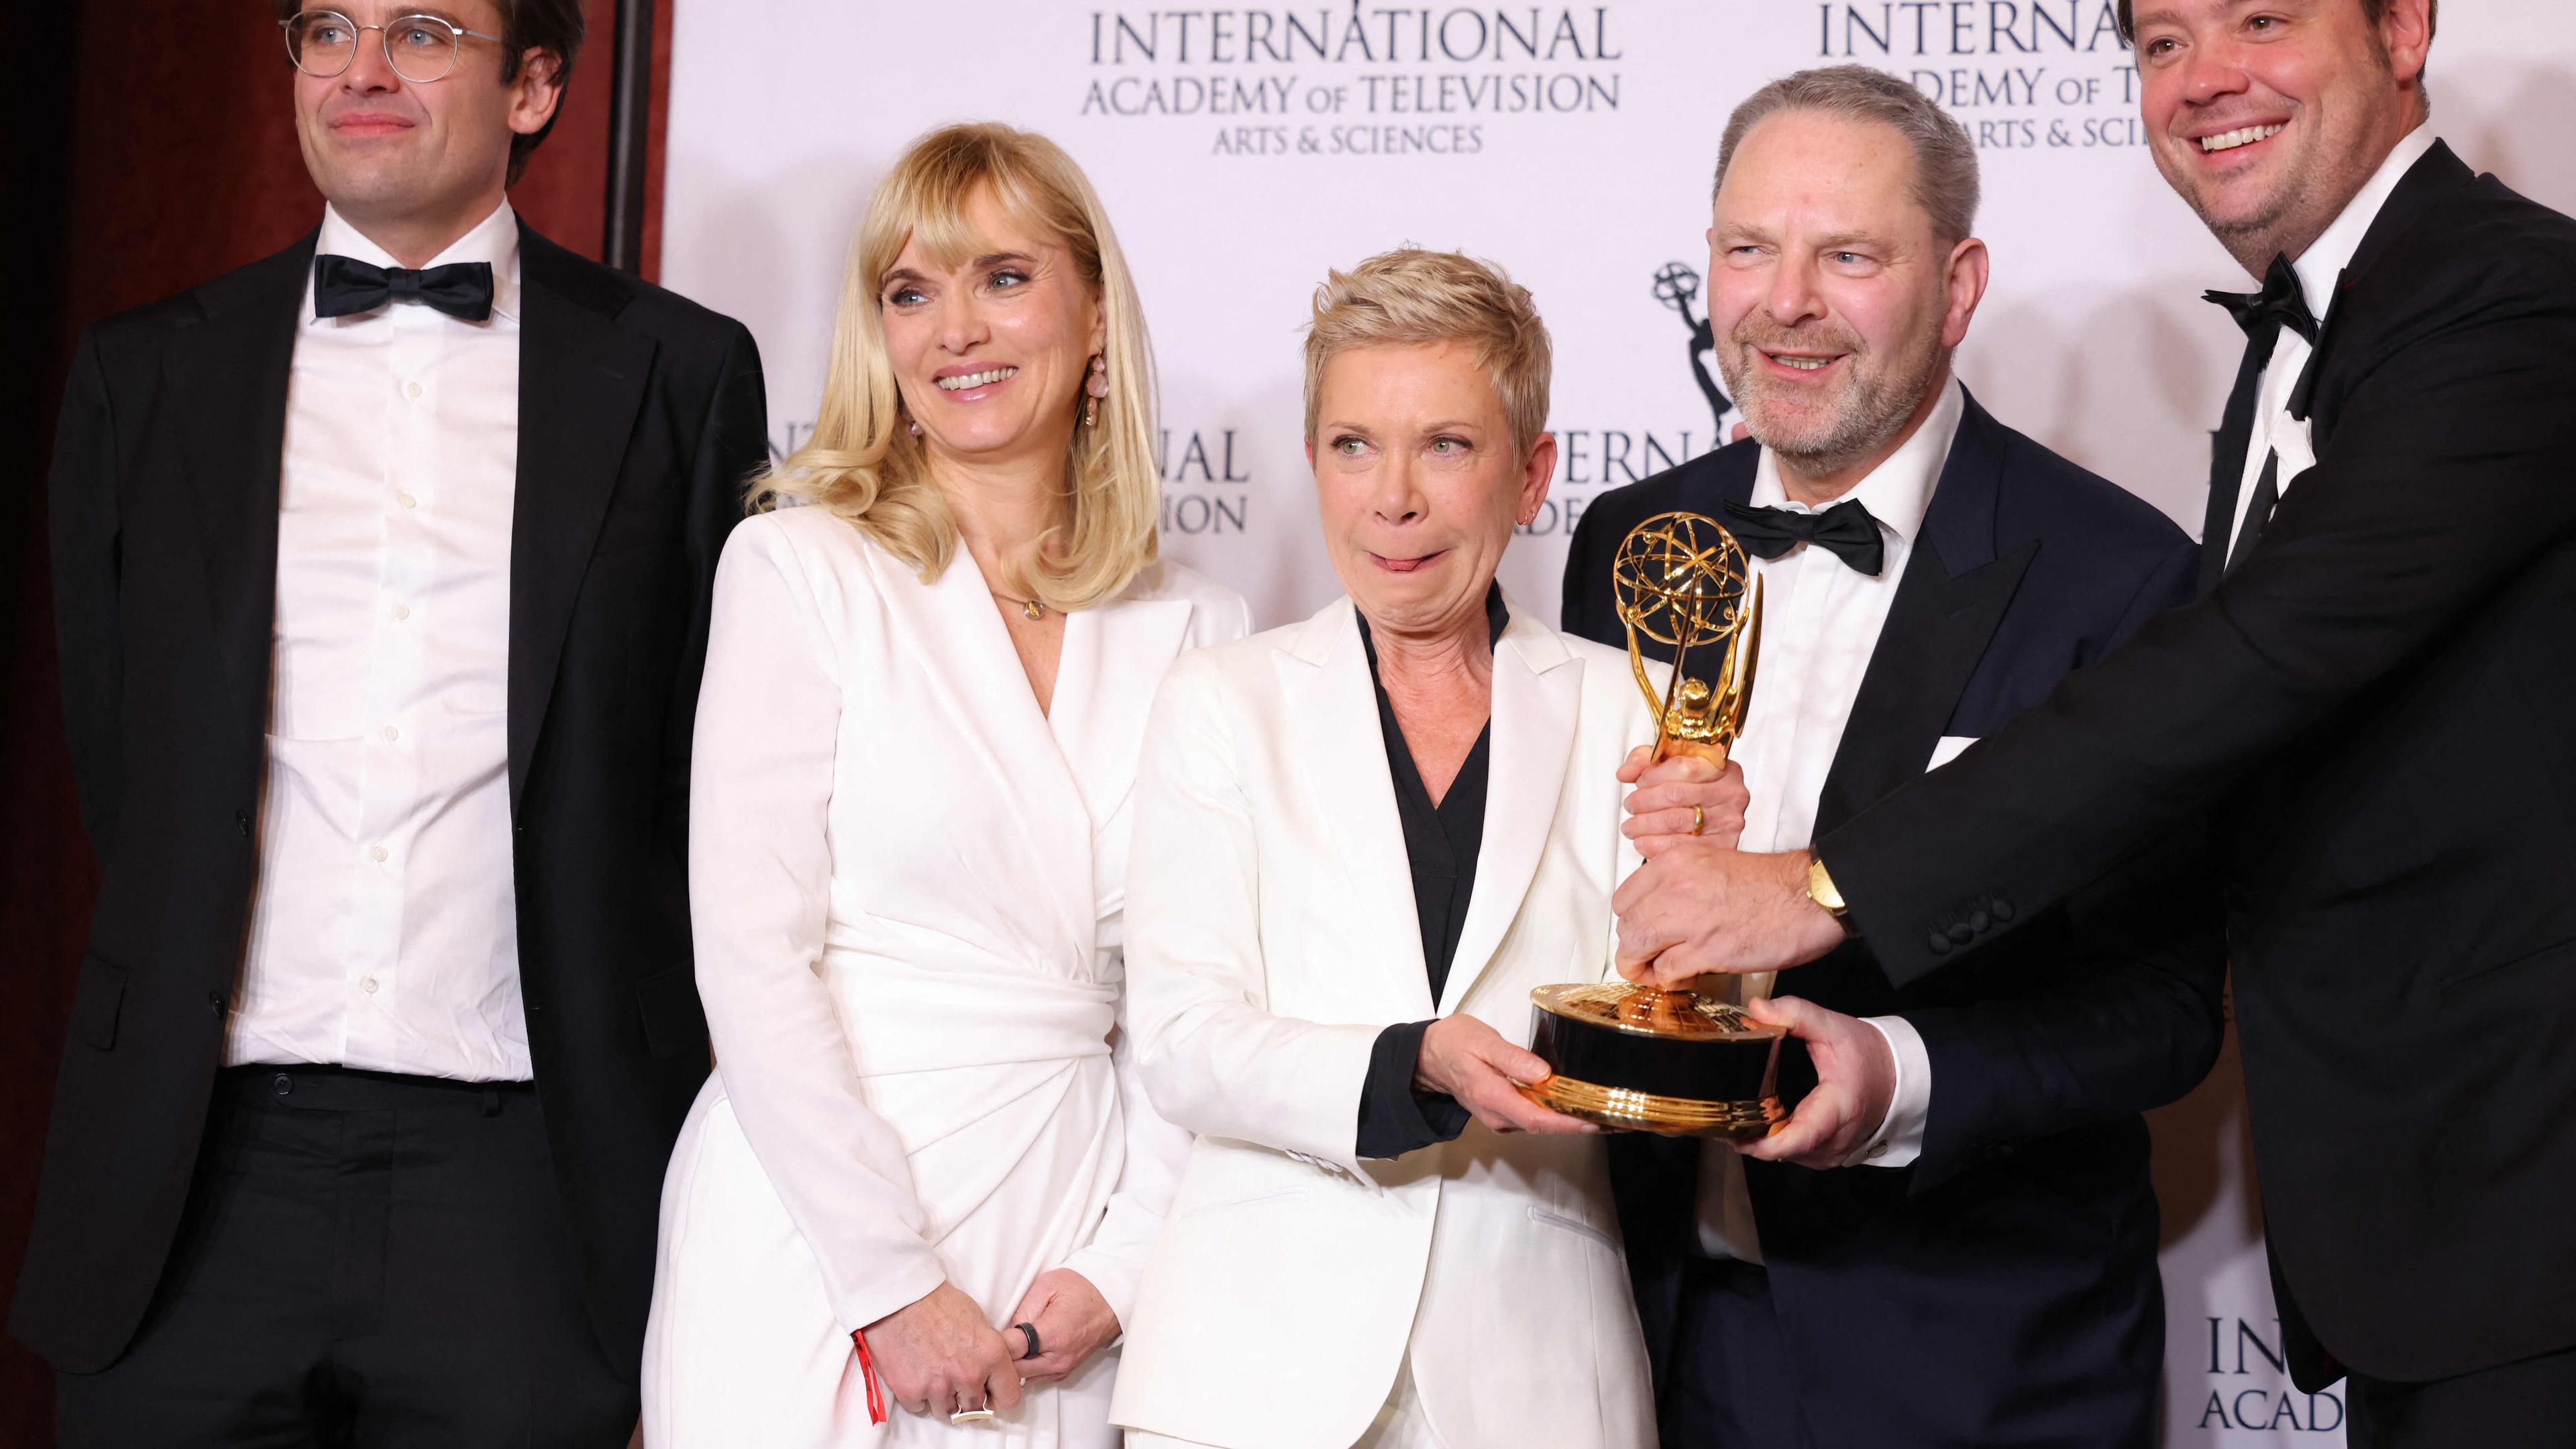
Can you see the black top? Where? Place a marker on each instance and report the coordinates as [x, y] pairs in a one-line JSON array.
[[1440, 843]]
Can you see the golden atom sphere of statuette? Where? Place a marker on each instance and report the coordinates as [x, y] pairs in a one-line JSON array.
[[1681, 579]]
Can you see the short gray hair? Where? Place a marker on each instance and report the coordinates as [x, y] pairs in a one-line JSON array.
[[1945, 161]]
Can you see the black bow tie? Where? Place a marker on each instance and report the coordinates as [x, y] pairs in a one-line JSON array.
[[2282, 303], [1846, 530], [343, 285]]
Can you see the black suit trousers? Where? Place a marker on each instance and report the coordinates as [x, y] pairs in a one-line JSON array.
[[365, 1260], [1733, 1382]]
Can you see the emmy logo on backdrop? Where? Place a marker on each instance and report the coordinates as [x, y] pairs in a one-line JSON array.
[[1680, 1063], [1677, 286]]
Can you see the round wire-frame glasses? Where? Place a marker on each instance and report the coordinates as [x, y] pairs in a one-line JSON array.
[[420, 48]]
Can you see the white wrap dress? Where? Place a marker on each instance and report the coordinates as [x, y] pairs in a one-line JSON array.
[[906, 883]]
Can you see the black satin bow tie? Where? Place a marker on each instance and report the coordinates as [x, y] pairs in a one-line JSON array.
[[1846, 530], [2282, 303], [344, 285]]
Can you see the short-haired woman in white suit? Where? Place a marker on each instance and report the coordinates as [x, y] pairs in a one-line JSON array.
[[1360, 841], [921, 1172]]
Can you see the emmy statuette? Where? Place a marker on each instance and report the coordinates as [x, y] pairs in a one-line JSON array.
[[1690, 1062]]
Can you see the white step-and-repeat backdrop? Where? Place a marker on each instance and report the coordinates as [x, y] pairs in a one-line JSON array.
[[1244, 149]]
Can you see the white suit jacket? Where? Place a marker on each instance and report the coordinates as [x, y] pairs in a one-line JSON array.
[[1271, 935], [907, 886]]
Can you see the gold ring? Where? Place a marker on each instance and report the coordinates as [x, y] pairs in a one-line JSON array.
[[1699, 820]]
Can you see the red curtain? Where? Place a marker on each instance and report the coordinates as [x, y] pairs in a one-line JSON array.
[[151, 146]]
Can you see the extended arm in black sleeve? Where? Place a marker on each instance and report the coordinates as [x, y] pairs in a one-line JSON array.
[[2135, 1025], [2448, 475]]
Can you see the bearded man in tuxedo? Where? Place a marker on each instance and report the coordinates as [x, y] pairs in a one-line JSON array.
[[382, 570], [1957, 1245], [2369, 703]]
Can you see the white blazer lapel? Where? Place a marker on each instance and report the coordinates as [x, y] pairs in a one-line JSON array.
[[1324, 679], [1114, 657], [1538, 686], [965, 651]]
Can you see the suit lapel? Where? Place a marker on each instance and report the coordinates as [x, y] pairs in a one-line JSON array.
[[227, 380], [2436, 173], [2227, 468], [1537, 693], [1947, 605], [965, 657], [1114, 657], [581, 380], [1324, 679]]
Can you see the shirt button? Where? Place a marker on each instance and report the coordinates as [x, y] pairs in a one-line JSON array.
[[368, 986], [402, 611], [411, 389], [391, 734], [375, 852], [406, 500]]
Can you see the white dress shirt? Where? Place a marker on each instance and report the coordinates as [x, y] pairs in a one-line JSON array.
[[1820, 623], [384, 929], [2319, 268]]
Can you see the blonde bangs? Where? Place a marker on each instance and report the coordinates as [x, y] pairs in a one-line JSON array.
[[862, 461]]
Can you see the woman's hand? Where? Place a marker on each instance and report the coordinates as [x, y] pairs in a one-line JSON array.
[[1660, 809], [1072, 1319], [937, 1355], [1470, 1061]]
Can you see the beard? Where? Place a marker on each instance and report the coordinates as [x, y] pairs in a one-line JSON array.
[[1876, 397]]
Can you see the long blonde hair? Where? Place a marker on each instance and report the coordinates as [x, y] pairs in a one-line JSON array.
[[862, 462]]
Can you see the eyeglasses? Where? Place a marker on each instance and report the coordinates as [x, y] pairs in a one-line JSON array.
[[420, 48]]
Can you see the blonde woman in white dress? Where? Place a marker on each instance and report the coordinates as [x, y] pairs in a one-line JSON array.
[[922, 1173]]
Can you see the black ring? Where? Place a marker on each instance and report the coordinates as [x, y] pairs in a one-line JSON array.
[[1029, 1331]]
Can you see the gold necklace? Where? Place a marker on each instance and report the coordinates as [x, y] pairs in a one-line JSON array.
[[1031, 609]]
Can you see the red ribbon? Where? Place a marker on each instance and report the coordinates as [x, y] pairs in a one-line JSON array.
[[868, 1372]]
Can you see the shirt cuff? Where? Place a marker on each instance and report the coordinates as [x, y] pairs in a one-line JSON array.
[[1899, 1138], [1112, 1279], [1395, 1116]]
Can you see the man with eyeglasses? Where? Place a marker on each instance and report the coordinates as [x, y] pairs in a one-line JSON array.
[[382, 570]]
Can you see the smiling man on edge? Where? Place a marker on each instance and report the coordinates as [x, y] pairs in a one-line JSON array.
[[2370, 704], [381, 570]]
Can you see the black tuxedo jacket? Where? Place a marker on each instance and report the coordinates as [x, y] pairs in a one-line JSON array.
[[2003, 1287], [2375, 710], [640, 414]]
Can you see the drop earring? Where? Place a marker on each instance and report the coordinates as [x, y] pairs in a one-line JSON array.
[[1095, 387]]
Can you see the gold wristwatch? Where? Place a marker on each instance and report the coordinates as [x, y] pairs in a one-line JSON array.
[[1820, 889]]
